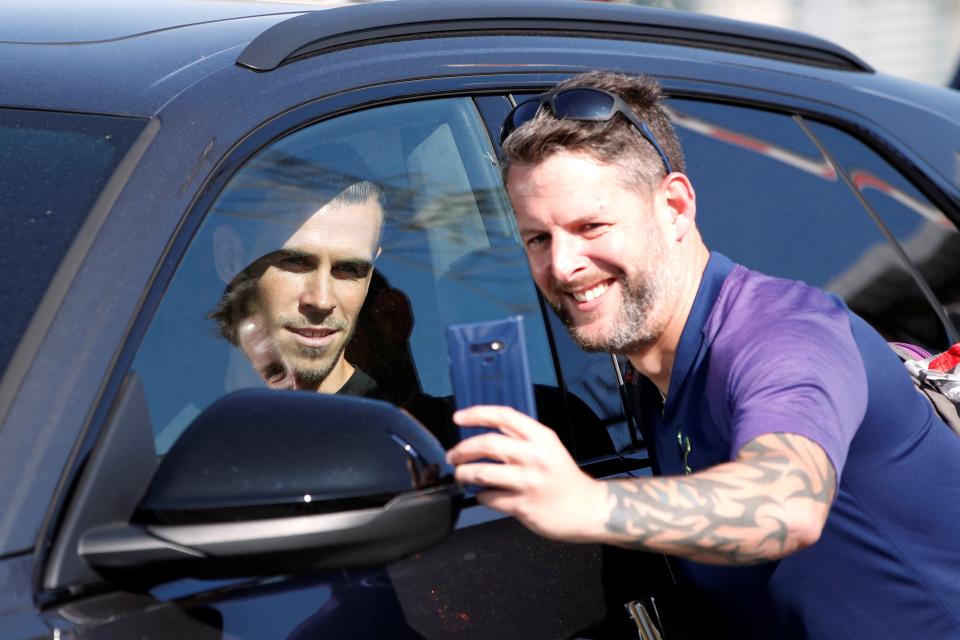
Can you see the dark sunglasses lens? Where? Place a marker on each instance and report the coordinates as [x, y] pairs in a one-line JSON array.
[[583, 104], [524, 112]]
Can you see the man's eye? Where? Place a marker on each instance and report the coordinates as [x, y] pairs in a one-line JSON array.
[[351, 270], [538, 241], [294, 263]]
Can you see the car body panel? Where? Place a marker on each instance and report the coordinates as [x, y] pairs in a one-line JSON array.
[[97, 22], [18, 617], [207, 116], [125, 76]]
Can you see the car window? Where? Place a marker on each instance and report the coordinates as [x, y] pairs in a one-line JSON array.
[[927, 236], [769, 199], [355, 240], [40, 150]]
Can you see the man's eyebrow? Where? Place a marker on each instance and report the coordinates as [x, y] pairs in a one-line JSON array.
[[528, 230], [582, 219], [355, 262], [290, 252], [256, 268]]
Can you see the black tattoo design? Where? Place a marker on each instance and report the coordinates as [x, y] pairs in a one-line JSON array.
[[730, 514]]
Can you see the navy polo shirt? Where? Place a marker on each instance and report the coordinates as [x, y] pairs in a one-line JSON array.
[[766, 355]]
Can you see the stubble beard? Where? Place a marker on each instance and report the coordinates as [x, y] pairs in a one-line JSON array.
[[316, 374], [636, 325], [632, 330]]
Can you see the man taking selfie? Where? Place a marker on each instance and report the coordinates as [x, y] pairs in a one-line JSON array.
[[806, 487]]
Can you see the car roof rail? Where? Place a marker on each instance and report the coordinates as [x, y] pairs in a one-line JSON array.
[[362, 24]]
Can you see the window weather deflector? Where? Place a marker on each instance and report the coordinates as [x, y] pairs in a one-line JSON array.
[[357, 25]]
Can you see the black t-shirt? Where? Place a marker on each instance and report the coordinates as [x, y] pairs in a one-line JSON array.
[[360, 384]]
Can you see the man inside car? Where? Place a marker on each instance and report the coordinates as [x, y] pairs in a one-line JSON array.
[[294, 310]]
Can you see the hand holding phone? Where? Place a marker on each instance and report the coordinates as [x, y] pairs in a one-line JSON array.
[[488, 365]]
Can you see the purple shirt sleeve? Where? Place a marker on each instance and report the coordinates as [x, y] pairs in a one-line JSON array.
[[789, 363]]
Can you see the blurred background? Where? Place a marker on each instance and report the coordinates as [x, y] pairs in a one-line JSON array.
[[915, 39]]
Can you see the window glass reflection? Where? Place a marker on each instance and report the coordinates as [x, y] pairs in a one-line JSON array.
[[927, 236], [333, 261], [52, 169], [770, 200]]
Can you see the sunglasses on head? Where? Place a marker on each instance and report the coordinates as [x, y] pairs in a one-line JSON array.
[[581, 103]]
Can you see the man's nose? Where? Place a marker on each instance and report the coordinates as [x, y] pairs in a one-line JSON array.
[[317, 294], [566, 257]]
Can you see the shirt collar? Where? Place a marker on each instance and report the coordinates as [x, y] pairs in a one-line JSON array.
[[691, 342]]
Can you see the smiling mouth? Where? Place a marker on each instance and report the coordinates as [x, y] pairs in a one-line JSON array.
[[312, 333], [591, 293], [313, 337]]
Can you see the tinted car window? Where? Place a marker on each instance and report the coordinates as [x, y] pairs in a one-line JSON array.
[[927, 236], [770, 200], [52, 168], [320, 265]]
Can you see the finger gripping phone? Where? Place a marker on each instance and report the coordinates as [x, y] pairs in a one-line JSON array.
[[488, 365]]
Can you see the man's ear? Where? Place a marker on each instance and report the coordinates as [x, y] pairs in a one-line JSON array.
[[681, 200]]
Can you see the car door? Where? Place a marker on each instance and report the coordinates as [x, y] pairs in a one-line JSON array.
[[446, 251]]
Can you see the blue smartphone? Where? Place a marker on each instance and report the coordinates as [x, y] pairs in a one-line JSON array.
[[488, 365]]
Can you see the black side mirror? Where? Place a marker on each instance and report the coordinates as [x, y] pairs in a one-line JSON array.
[[281, 482]]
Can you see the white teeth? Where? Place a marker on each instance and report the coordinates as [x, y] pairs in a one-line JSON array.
[[590, 294]]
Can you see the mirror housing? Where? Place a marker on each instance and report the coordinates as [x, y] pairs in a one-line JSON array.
[[266, 482]]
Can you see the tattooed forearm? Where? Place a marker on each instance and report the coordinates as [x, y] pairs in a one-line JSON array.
[[771, 501]]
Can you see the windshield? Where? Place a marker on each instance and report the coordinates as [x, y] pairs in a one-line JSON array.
[[52, 168]]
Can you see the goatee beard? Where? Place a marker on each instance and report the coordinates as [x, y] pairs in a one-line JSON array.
[[314, 375], [314, 372]]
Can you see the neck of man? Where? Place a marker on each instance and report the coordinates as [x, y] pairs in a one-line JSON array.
[[656, 360]]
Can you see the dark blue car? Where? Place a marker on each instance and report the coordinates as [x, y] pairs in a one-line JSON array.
[[160, 475]]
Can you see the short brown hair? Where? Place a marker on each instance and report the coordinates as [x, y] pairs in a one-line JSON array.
[[614, 141], [238, 302]]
